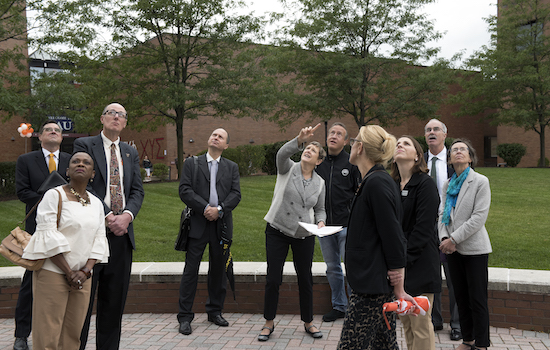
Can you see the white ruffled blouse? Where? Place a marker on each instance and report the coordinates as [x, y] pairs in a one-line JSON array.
[[80, 235]]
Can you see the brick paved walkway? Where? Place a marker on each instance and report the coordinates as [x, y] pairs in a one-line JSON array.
[[160, 332]]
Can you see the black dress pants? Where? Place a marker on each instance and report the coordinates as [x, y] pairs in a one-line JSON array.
[[111, 281], [277, 244], [23, 309], [470, 277], [216, 282]]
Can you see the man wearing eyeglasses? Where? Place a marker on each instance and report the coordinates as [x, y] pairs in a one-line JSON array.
[[31, 170], [435, 133], [118, 183]]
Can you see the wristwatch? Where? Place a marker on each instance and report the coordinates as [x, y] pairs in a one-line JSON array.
[[220, 210]]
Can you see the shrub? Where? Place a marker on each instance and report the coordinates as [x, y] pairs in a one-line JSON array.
[[7, 179], [271, 149], [142, 173], [511, 153], [161, 171], [546, 162], [249, 158]]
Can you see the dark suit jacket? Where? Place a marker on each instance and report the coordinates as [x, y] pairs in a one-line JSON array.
[[196, 196], [133, 186], [30, 172], [420, 205]]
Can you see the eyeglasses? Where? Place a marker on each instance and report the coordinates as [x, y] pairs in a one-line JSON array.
[[435, 129], [461, 149], [112, 113], [352, 141], [57, 130]]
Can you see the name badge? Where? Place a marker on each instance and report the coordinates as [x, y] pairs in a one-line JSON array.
[[405, 193]]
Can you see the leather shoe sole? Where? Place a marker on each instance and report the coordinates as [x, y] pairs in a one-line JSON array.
[[185, 328], [218, 320]]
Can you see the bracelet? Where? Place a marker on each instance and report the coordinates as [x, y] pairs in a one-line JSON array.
[[453, 240], [87, 272]]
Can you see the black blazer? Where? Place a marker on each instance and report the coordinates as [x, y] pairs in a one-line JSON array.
[[197, 196], [420, 205], [375, 242], [30, 172], [133, 186]]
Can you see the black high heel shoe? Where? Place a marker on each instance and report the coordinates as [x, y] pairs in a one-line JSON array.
[[265, 337]]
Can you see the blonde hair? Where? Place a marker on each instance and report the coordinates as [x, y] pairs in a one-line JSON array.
[[377, 143]]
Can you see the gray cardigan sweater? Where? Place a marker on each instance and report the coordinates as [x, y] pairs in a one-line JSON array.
[[292, 202], [468, 217]]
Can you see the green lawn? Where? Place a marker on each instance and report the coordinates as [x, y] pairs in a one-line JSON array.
[[518, 222]]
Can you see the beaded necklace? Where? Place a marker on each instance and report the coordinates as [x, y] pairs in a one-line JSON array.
[[82, 201]]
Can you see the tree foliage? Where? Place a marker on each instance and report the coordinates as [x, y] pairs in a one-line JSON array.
[[164, 60], [359, 58], [14, 83], [513, 83]]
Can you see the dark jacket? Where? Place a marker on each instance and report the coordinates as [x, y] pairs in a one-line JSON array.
[[341, 181], [420, 204], [133, 186], [196, 196], [30, 172], [375, 241]]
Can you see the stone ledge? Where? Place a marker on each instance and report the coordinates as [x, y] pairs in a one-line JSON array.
[[500, 279]]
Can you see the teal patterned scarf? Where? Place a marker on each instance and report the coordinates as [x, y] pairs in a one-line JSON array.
[[452, 194]]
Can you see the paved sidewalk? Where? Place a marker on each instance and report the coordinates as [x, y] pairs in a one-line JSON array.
[[160, 332]]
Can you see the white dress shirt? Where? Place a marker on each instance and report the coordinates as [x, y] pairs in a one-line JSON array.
[[441, 165]]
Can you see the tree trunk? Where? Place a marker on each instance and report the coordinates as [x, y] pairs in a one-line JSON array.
[[179, 138], [542, 162]]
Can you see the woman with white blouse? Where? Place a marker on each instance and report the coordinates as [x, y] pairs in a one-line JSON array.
[[72, 243]]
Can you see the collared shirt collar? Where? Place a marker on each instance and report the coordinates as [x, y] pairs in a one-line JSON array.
[[441, 155], [47, 153], [108, 142], [209, 158]]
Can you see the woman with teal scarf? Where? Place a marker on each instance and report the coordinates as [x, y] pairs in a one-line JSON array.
[[462, 217]]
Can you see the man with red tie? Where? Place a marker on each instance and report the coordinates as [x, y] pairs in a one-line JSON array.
[[118, 183]]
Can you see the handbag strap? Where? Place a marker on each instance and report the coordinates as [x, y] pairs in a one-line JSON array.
[[59, 206]]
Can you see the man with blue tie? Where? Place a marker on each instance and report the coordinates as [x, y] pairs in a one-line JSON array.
[[435, 133], [212, 196], [31, 170], [118, 184]]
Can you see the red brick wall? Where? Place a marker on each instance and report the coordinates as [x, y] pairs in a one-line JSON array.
[[527, 311]]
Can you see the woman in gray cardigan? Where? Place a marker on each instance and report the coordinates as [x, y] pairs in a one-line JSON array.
[[299, 196], [462, 217]]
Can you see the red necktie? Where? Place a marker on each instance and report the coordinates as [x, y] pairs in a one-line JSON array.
[[115, 184]]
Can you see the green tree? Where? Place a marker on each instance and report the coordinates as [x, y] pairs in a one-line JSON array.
[[512, 84], [14, 83], [359, 58], [164, 60]]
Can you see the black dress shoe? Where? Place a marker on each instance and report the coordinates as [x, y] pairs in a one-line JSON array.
[[333, 315], [185, 328], [456, 334], [218, 320], [20, 344]]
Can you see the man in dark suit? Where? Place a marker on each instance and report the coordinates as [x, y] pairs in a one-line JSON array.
[[31, 171], [212, 197], [435, 133], [118, 184]]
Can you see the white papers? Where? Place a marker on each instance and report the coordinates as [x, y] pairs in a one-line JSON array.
[[321, 232]]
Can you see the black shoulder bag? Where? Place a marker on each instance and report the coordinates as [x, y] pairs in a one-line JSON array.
[[185, 221]]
